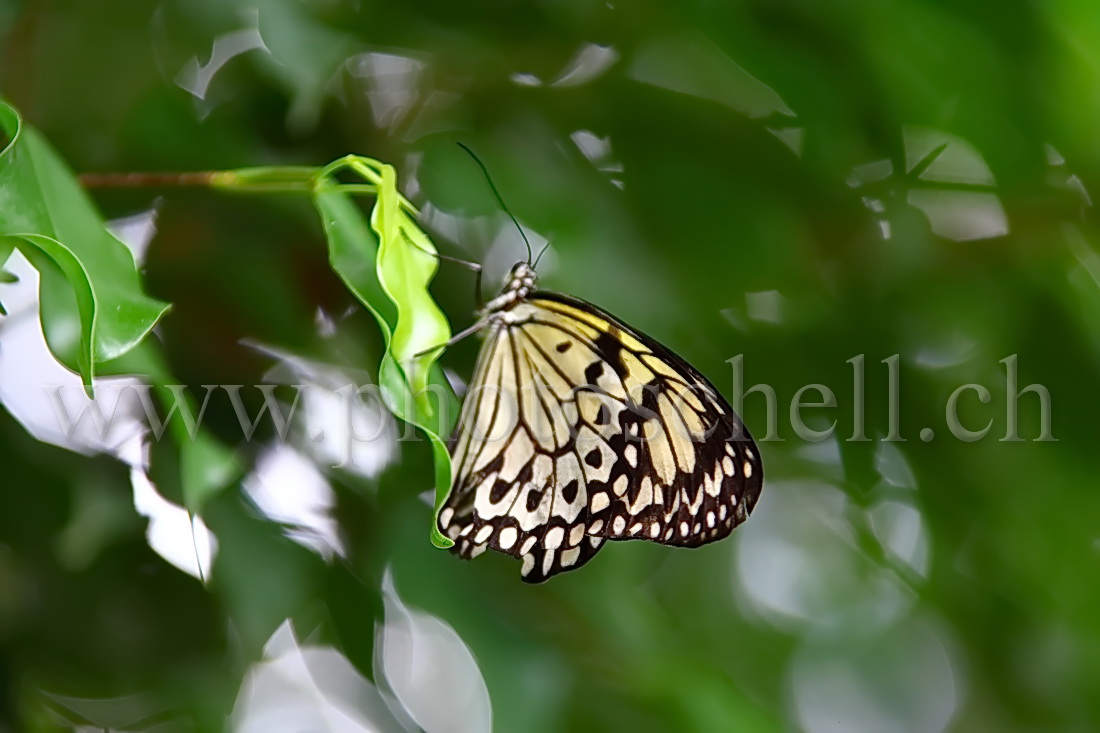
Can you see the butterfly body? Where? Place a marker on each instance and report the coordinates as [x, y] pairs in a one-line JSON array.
[[577, 429]]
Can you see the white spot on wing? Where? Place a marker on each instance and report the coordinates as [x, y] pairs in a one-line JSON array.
[[620, 485], [553, 539], [693, 507], [644, 497], [547, 562], [575, 537], [727, 465], [709, 486]]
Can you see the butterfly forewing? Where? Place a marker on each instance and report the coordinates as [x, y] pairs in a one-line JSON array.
[[578, 429]]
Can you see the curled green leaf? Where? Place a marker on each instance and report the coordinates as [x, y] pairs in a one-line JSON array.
[[388, 266], [93, 307]]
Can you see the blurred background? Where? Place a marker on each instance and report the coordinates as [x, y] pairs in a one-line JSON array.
[[797, 183]]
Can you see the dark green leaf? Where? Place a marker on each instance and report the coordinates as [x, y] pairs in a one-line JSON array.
[[93, 305]]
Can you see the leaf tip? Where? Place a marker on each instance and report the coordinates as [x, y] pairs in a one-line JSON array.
[[441, 541]]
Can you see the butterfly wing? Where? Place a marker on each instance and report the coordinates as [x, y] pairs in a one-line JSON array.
[[579, 429], [509, 491]]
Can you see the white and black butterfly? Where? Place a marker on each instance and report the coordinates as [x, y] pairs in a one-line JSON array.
[[578, 429]]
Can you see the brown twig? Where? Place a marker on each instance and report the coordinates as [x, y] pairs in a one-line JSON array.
[[146, 180]]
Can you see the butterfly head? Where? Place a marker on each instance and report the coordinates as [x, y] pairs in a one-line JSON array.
[[522, 277], [518, 285]]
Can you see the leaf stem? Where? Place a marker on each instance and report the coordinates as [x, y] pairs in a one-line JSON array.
[[147, 180]]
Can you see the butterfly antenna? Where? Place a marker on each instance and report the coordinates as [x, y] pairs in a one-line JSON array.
[[500, 200], [541, 253]]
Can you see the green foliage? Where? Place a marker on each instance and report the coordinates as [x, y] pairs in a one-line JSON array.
[[799, 183], [93, 307], [94, 311], [388, 270], [389, 273]]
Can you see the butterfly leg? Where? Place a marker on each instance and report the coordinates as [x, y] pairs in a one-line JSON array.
[[477, 326]]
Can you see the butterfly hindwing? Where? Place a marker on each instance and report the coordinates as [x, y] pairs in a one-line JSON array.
[[577, 429]]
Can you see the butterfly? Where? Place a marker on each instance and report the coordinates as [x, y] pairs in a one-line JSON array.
[[577, 429]]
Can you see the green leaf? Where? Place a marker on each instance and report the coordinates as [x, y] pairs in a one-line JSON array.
[[59, 268], [436, 425], [205, 466], [353, 253], [406, 266], [6, 248], [390, 276], [304, 54], [93, 308]]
